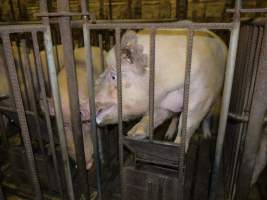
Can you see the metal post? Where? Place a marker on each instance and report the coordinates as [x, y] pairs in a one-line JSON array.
[[229, 74], [181, 174], [69, 64], [151, 84], [29, 87], [254, 131], [56, 99], [21, 113], [90, 75], [46, 108], [119, 97]]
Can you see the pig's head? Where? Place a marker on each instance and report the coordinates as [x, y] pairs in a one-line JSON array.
[[134, 83]]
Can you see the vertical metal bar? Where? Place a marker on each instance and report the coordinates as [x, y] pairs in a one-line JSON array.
[[151, 83], [56, 99], [119, 97], [181, 174], [100, 41], [258, 110], [101, 9], [21, 113], [90, 75], [29, 87], [110, 9], [229, 74], [46, 107], [69, 64], [129, 8], [58, 109]]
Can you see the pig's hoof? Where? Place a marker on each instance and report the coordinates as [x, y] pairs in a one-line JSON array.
[[138, 132], [178, 140]]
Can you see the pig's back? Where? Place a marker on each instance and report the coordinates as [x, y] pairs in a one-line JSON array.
[[208, 58]]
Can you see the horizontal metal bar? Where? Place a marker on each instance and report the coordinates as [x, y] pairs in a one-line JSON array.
[[181, 24], [152, 141], [60, 14], [248, 10], [237, 117], [22, 28]]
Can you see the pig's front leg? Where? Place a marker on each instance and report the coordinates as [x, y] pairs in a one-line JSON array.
[[140, 130]]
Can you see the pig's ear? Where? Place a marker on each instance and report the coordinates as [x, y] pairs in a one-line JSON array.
[[132, 52], [129, 40], [50, 106]]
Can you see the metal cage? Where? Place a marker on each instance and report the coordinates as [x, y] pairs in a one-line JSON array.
[[168, 182]]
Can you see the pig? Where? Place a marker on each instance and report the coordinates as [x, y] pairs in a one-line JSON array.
[[79, 55], [207, 75], [84, 104]]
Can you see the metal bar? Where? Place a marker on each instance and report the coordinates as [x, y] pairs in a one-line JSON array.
[[101, 9], [110, 9], [129, 8], [76, 124], [40, 74], [249, 10], [22, 28], [151, 83], [119, 97], [181, 174], [30, 89], [58, 110], [258, 109], [229, 74], [21, 113], [180, 24], [90, 75], [100, 41]]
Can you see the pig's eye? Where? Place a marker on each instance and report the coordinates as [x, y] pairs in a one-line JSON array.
[[113, 77]]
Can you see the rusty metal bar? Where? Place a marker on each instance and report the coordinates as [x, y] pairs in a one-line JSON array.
[[100, 41], [119, 97], [69, 64], [101, 9], [21, 113], [258, 109], [29, 87], [22, 28], [58, 110], [110, 9], [229, 74], [129, 8], [46, 107], [249, 10], [90, 75], [181, 174], [151, 83], [180, 24]]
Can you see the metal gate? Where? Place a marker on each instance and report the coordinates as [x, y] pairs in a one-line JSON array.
[[63, 15], [247, 110]]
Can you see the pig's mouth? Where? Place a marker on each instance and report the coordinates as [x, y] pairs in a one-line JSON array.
[[100, 116]]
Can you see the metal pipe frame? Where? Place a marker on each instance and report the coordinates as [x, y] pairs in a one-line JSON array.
[[229, 74], [40, 74], [21, 113], [56, 99], [90, 75], [258, 110], [69, 64]]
